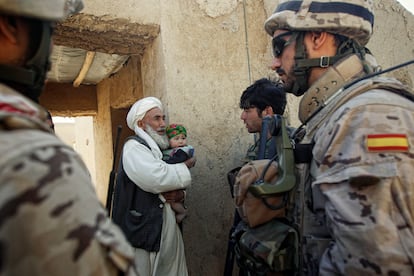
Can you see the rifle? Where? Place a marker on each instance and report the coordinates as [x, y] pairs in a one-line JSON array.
[[286, 179], [266, 123], [113, 172], [230, 254]]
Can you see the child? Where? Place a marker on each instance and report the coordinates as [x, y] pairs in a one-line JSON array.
[[178, 152]]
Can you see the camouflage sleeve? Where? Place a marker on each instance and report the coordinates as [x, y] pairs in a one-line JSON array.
[[364, 160], [343, 146], [51, 221]]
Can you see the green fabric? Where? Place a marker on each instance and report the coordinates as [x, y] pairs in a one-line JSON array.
[[175, 129], [270, 247], [253, 151]]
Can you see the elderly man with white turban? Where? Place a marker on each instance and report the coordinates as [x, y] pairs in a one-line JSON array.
[[145, 185]]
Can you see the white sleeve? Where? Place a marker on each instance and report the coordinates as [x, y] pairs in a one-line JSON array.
[[152, 174]]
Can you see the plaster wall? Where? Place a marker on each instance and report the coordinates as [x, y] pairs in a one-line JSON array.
[[392, 41], [137, 11], [125, 86], [154, 70], [85, 143]]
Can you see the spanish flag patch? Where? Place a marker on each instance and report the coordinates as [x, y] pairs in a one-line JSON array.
[[387, 142]]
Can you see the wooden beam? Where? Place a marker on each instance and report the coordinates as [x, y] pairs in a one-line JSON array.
[[85, 68]]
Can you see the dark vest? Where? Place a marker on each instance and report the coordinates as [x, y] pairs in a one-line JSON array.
[[138, 213]]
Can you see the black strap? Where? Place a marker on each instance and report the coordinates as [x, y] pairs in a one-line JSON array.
[[138, 139], [303, 153]]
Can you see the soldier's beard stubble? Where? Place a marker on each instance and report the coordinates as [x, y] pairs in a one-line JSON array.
[[161, 140], [288, 79]]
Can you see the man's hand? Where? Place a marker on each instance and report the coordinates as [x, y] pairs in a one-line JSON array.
[[190, 162], [174, 196]]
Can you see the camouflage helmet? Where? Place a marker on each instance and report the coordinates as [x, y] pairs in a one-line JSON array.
[[52, 10], [351, 18]]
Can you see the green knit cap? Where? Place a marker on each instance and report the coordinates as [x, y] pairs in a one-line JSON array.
[[175, 129]]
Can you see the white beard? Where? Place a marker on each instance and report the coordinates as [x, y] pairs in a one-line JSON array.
[[161, 140]]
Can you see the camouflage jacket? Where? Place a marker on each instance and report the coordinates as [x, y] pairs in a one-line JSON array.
[[361, 176], [52, 222]]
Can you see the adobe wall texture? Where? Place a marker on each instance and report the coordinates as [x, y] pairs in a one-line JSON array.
[[207, 52]]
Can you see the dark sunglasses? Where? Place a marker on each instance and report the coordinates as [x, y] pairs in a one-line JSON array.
[[279, 44]]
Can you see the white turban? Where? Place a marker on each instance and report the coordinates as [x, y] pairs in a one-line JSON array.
[[140, 108]]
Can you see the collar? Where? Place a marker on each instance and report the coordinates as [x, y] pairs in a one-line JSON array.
[[329, 86]]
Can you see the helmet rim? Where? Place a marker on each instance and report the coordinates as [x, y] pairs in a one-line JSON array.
[[49, 10]]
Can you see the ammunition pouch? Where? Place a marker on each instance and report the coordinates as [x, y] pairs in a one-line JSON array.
[[269, 249]]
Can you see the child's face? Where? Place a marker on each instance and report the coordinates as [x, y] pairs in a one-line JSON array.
[[179, 140]]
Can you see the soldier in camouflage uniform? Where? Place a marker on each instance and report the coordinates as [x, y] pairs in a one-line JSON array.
[[51, 221], [356, 214]]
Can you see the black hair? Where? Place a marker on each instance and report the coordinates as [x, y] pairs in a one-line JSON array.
[[263, 93]]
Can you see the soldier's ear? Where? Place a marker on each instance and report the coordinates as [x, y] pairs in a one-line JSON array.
[[8, 29], [320, 39]]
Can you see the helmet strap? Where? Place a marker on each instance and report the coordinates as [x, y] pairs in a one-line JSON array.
[[40, 62], [303, 64], [301, 72], [352, 47]]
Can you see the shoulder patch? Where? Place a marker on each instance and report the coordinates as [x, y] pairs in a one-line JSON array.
[[389, 142]]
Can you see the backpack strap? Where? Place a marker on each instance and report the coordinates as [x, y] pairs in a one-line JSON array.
[[303, 153]]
